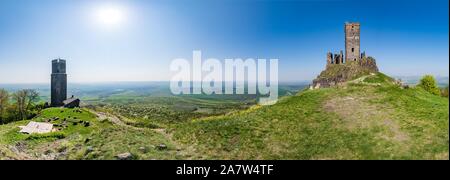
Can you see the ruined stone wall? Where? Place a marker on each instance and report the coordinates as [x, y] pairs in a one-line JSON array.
[[352, 42], [58, 82], [329, 58], [338, 59], [335, 58], [369, 63]]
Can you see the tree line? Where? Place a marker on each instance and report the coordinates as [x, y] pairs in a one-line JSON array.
[[19, 105]]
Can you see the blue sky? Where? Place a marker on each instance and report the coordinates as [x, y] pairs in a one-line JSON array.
[[408, 38]]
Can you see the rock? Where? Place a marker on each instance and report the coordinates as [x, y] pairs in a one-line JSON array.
[[337, 74], [87, 124], [161, 147], [143, 149], [62, 149], [124, 156], [89, 149], [47, 152]]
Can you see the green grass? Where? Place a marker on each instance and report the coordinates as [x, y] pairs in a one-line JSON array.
[[161, 111], [100, 140], [379, 78], [355, 122], [112, 141]]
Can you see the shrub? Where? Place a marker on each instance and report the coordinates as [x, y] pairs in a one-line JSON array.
[[444, 92], [428, 83]]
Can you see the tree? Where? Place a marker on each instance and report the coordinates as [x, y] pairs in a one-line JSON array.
[[428, 83], [4, 102], [20, 97], [444, 92], [32, 97], [24, 101]]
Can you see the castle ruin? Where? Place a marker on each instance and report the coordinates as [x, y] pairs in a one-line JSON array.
[[352, 46], [343, 67], [352, 41]]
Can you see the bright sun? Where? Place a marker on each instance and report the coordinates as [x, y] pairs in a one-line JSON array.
[[110, 16]]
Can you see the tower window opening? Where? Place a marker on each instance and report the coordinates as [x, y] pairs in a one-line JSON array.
[[353, 49]]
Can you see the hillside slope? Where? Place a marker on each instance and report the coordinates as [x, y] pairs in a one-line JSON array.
[[370, 118], [336, 74], [103, 138]]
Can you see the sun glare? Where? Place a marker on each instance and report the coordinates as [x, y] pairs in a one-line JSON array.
[[110, 16]]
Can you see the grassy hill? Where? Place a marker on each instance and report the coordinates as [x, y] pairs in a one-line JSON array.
[[101, 139], [369, 118]]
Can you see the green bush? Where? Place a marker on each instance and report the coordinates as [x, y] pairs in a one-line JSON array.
[[444, 92], [428, 83]]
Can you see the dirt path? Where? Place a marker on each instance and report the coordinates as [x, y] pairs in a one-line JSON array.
[[112, 118], [116, 120], [48, 151], [356, 112]]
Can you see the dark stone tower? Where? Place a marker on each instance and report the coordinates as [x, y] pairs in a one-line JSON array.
[[59, 82], [352, 42]]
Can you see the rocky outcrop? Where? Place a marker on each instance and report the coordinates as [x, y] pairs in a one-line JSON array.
[[336, 74]]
